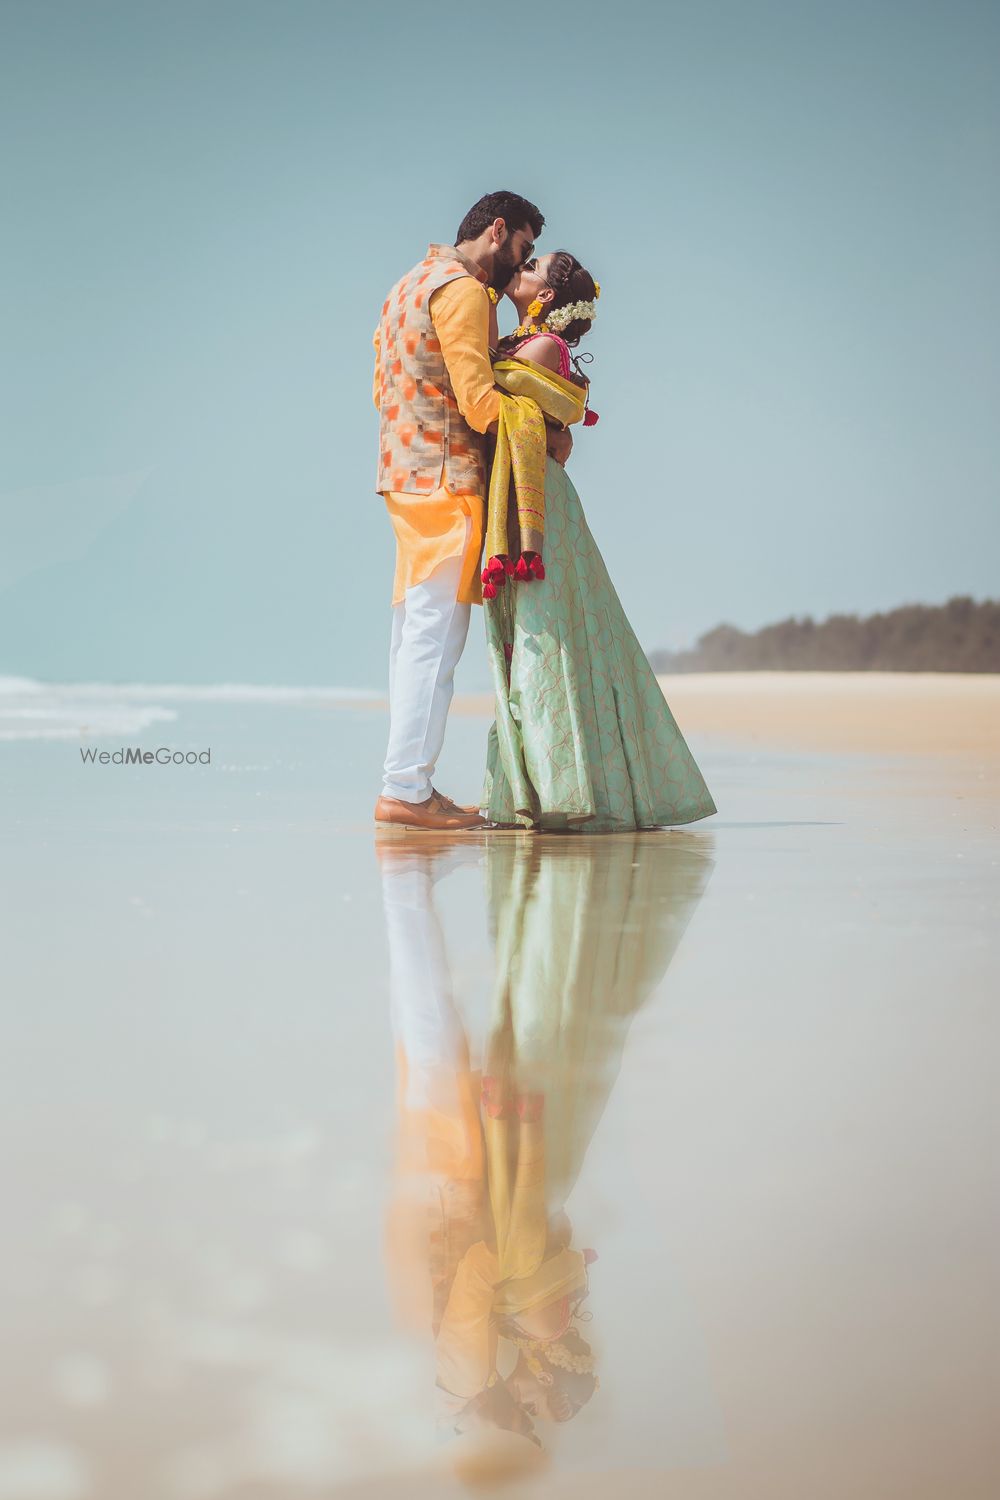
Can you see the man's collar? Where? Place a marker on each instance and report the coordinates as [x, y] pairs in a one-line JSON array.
[[453, 254]]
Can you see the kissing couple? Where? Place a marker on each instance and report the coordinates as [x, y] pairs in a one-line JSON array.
[[473, 441]]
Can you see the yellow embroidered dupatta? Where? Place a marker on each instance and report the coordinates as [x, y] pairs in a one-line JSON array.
[[528, 393]]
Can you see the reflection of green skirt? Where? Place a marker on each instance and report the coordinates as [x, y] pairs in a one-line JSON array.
[[583, 735]]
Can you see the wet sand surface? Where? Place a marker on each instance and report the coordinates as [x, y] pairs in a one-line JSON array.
[[752, 1064]]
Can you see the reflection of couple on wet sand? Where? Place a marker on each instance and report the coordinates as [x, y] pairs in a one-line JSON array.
[[473, 436], [481, 1249]]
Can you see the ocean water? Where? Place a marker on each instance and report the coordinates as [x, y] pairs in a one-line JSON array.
[[249, 1158]]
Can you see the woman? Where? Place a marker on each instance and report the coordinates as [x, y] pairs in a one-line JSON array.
[[583, 738], [583, 937]]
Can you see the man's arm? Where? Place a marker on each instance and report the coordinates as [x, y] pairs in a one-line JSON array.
[[460, 312], [466, 1342]]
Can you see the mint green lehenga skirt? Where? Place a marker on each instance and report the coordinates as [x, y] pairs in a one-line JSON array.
[[583, 737]]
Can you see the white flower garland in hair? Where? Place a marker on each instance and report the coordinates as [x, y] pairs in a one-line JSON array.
[[564, 316]]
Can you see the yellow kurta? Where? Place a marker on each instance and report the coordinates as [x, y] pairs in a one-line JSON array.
[[431, 528]]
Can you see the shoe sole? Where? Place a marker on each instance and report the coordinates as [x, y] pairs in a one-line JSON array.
[[387, 827]]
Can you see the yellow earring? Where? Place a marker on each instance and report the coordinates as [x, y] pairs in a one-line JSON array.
[[534, 308]]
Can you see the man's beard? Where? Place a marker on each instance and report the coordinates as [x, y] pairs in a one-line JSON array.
[[505, 268]]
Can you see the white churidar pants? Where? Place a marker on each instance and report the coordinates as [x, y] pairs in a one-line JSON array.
[[429, 630], [425, 1021]]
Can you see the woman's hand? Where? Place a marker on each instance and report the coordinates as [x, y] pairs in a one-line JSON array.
[[560, 444]]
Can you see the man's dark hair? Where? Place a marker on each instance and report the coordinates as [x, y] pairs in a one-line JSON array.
[[515, 211]]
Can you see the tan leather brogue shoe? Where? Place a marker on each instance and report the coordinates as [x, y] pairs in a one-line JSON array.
[[432, 816], [450, 802]]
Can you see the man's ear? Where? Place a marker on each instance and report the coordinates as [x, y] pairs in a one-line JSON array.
[[499, 231]]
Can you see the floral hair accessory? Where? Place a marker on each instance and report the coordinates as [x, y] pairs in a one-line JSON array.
[[555, 1353], [563, 316]]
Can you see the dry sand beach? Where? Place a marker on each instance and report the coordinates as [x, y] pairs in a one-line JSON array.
[[878, 712]]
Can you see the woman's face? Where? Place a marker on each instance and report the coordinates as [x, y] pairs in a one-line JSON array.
[[542, 1400], [530, 283]]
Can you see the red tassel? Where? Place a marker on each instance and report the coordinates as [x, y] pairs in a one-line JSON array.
[[509, 566], [590, 417], [495, 1106], [495, 565], [489, 592], [537, 566], [521, 571]]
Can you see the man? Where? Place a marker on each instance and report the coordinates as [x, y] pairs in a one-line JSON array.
[[436, 400]]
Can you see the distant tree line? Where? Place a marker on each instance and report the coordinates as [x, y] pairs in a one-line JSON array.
[[960, 636]]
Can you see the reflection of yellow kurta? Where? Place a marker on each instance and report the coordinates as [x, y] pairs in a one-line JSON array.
[[431, 528]]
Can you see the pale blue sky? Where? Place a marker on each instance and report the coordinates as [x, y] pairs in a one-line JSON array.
[[792, 210]]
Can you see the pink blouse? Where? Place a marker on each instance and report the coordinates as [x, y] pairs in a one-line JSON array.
[[563, 350]]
